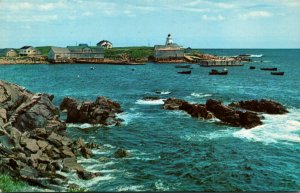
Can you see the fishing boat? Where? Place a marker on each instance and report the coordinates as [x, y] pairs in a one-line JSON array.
[[277, 73], [216, 72], [186, 66], [185, 72], [270, 69], [252, 67]]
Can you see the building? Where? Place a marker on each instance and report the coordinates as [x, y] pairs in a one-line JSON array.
[[76, 53], [86, 52], [29, 51], [8, 52], [169, 51], [105, 44], [57, 53]]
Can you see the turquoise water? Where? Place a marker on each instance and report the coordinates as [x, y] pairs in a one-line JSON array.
[[170, 151]]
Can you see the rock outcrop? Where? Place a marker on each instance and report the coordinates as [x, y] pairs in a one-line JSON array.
[[33, 145], [231, 116], [227, 114], [195, 110], [263, 105], [101, 111]]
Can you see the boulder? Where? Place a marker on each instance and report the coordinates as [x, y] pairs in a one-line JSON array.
[[35, 114], [85, 175], [263, 105], [101, 111], [120, 153]]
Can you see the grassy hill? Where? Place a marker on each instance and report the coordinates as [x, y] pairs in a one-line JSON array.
[[44, 50], [136, 53]]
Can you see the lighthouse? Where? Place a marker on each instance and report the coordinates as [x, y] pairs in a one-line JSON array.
[[169, 40]]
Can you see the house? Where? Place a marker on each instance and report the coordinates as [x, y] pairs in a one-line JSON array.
[[105, 44], [76, 53], [8, 52], [57, 53], [169, 51], [29, 51], [86, 52]]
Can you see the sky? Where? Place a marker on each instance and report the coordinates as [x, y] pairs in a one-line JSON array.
[[192, 23]]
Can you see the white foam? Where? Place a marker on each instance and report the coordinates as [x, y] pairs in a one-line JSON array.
[[256, 55], [127, 117], [208, 135], [150, 102], [276, 128], [83, 126], [200, 95], [159, 185], [165, 92], [130, 188]]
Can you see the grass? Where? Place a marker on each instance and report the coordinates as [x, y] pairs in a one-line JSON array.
[[132, 52], [44, 50], [8, 184]]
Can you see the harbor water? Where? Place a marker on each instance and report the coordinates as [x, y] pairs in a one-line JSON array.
[[169, 150]]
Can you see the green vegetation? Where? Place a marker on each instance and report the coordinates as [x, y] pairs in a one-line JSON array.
[[136, 53], [44, 50], [8, 184]]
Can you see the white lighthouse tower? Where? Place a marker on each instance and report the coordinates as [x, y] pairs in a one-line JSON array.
[[169, 40]]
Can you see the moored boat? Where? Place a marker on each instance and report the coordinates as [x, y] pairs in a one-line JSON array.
[[270, 69], [216, 72], [252, 67], [277, 73], [185, 72], [186, 66]]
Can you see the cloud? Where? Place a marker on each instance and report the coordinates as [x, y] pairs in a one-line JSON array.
[[213, 18], [255, 15]]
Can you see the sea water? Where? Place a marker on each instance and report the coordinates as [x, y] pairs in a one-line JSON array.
[[169, 150]]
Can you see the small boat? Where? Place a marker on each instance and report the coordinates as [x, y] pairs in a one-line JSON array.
[[186, 66], [185, 72], [277, 73], [270, 69], [92, 68], [216, 72], [252, 67]]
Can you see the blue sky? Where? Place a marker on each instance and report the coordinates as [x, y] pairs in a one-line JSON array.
[[194, 23]]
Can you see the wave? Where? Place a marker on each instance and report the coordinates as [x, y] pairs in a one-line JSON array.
[[150, 102], [256, 55], [200, 95], [275, 129], [83, 126], [130, 188], [163, 92], [127, 117]]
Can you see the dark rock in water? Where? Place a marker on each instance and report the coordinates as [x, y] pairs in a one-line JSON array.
[[233, 117], [87, 153], [151, 98], [195, 110], [213, 109], [120, 153], [102, 111], [173, 104], [85, 175], [263, 105]]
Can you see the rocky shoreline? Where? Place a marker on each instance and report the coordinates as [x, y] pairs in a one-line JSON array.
[[34, 146]]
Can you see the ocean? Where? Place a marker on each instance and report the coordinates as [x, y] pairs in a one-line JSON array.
[[169, 150]]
